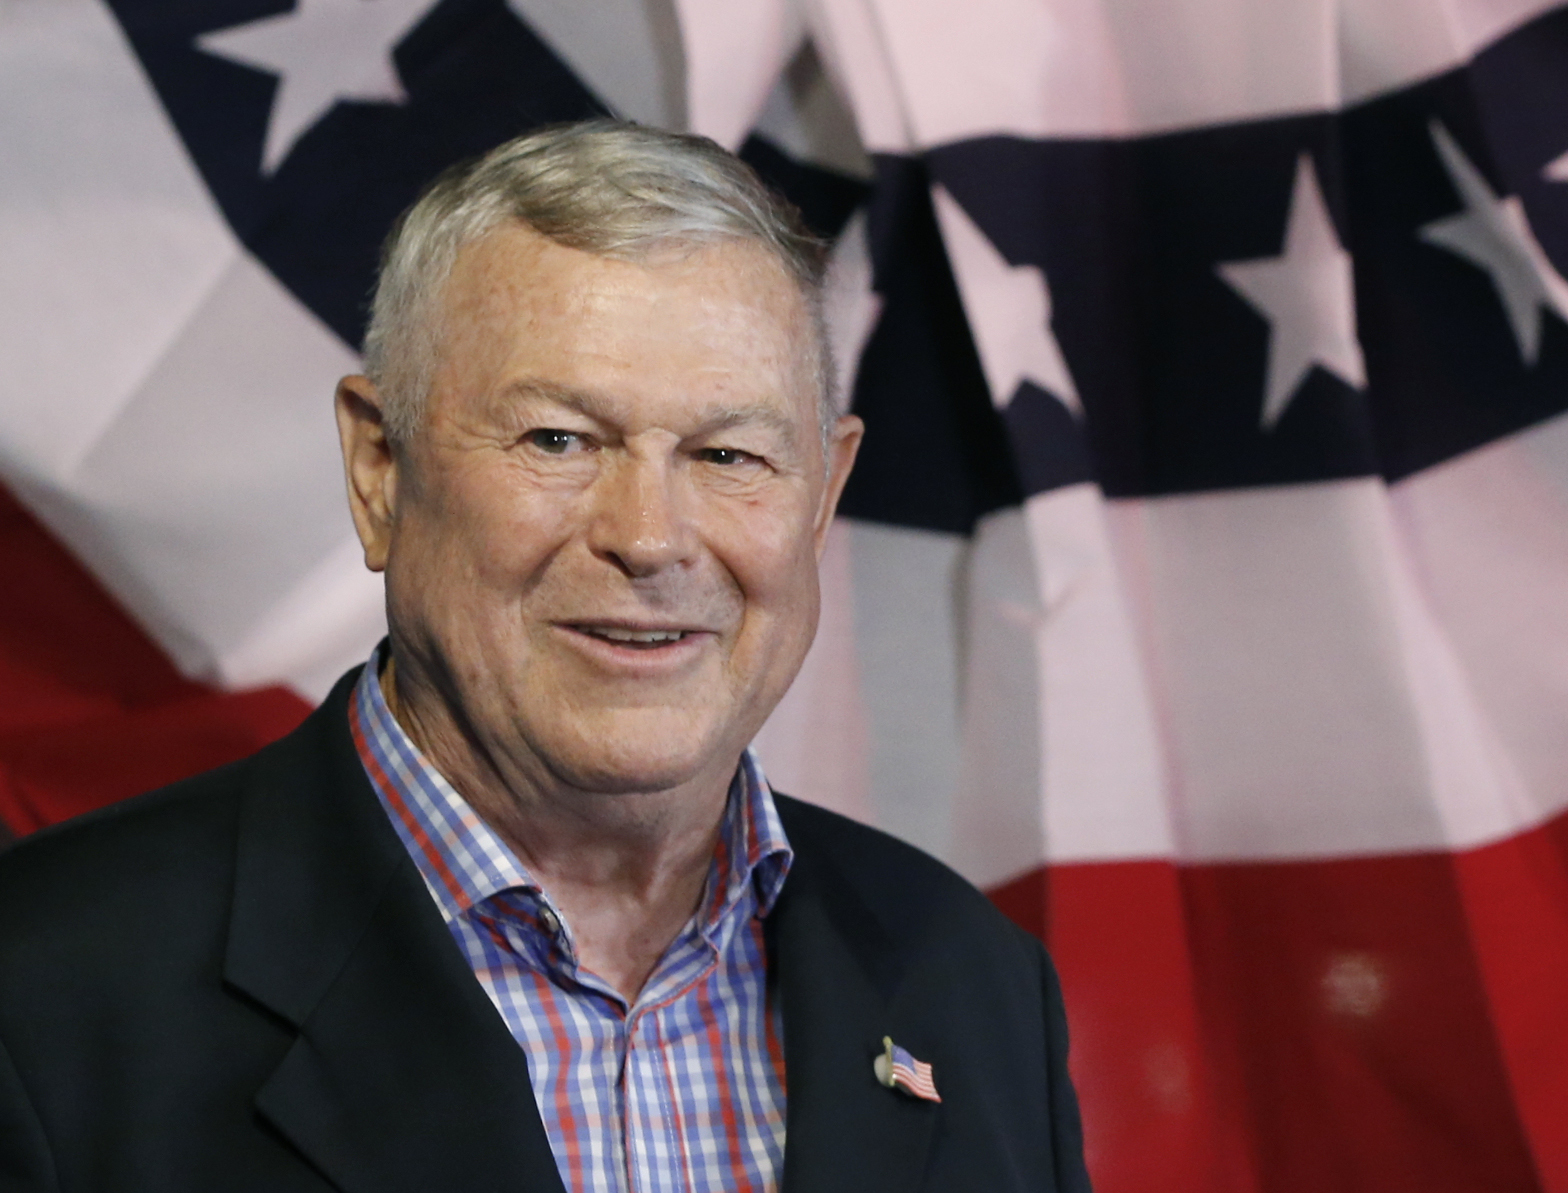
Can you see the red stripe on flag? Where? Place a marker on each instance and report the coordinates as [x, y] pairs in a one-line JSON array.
[[90, 709], [1118, 934], [1295, 1026], [1516, 898]]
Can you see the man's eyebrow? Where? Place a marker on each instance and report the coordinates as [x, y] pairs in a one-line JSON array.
[[582, 401], [736, 416], [593, 406]]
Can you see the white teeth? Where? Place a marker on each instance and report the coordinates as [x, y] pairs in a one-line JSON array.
[[642, 636]]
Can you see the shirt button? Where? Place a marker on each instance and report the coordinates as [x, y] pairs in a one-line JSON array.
[[551, 922]]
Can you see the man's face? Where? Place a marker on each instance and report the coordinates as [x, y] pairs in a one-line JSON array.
[[601, 547]]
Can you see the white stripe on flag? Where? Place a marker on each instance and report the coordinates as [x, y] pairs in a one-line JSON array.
[[1024, 68]]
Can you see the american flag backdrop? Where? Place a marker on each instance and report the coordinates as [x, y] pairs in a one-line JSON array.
[[1201, 592]]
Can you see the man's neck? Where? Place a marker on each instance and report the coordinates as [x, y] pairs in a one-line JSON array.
[[626, 870]]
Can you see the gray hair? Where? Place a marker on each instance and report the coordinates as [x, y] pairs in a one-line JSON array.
[[607, 187]]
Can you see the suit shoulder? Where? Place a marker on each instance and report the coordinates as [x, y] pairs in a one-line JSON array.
[[103, 864], [897, 881], [818, 828], [177, 834]]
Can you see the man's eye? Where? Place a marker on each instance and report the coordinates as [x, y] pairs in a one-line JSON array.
[[724, 455], [557, 443]]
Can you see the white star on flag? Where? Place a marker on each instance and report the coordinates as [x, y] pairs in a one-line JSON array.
[[1009, 308], [1556, 170], [322, 52], [1494, 235], [1307, 294]]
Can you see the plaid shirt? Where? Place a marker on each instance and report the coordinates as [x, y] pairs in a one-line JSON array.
[[683, 1090]]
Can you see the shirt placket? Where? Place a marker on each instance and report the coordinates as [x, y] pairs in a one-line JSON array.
[[658, 1072]]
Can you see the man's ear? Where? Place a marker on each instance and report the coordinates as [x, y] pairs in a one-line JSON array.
[[369, 466], [843, 446]]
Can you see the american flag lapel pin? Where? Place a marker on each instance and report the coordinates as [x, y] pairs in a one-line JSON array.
[[897, 1069]]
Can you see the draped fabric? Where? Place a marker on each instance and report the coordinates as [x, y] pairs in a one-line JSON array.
[[1201, 591]]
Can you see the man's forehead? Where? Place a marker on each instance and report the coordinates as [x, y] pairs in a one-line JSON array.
[[515, 277], [527, 319], [516, 250]]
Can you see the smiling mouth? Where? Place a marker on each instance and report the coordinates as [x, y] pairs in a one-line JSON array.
[[636, 639]]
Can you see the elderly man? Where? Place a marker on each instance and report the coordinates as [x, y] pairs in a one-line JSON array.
[[516, 909]]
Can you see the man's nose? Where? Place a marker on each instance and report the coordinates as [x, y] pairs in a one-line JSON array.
[[641, 520]]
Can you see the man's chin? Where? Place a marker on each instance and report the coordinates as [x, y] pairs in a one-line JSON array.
[[632, 781], [612, 764]]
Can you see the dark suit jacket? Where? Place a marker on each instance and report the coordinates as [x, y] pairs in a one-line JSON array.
[[241, 983]]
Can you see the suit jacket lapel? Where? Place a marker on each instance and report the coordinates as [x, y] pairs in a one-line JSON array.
[[403, 1075], [838, 978]]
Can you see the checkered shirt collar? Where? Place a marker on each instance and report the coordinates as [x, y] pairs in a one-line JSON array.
[[465, 862]]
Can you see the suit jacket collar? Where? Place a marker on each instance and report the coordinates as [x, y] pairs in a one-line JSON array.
[[404, 1076]]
